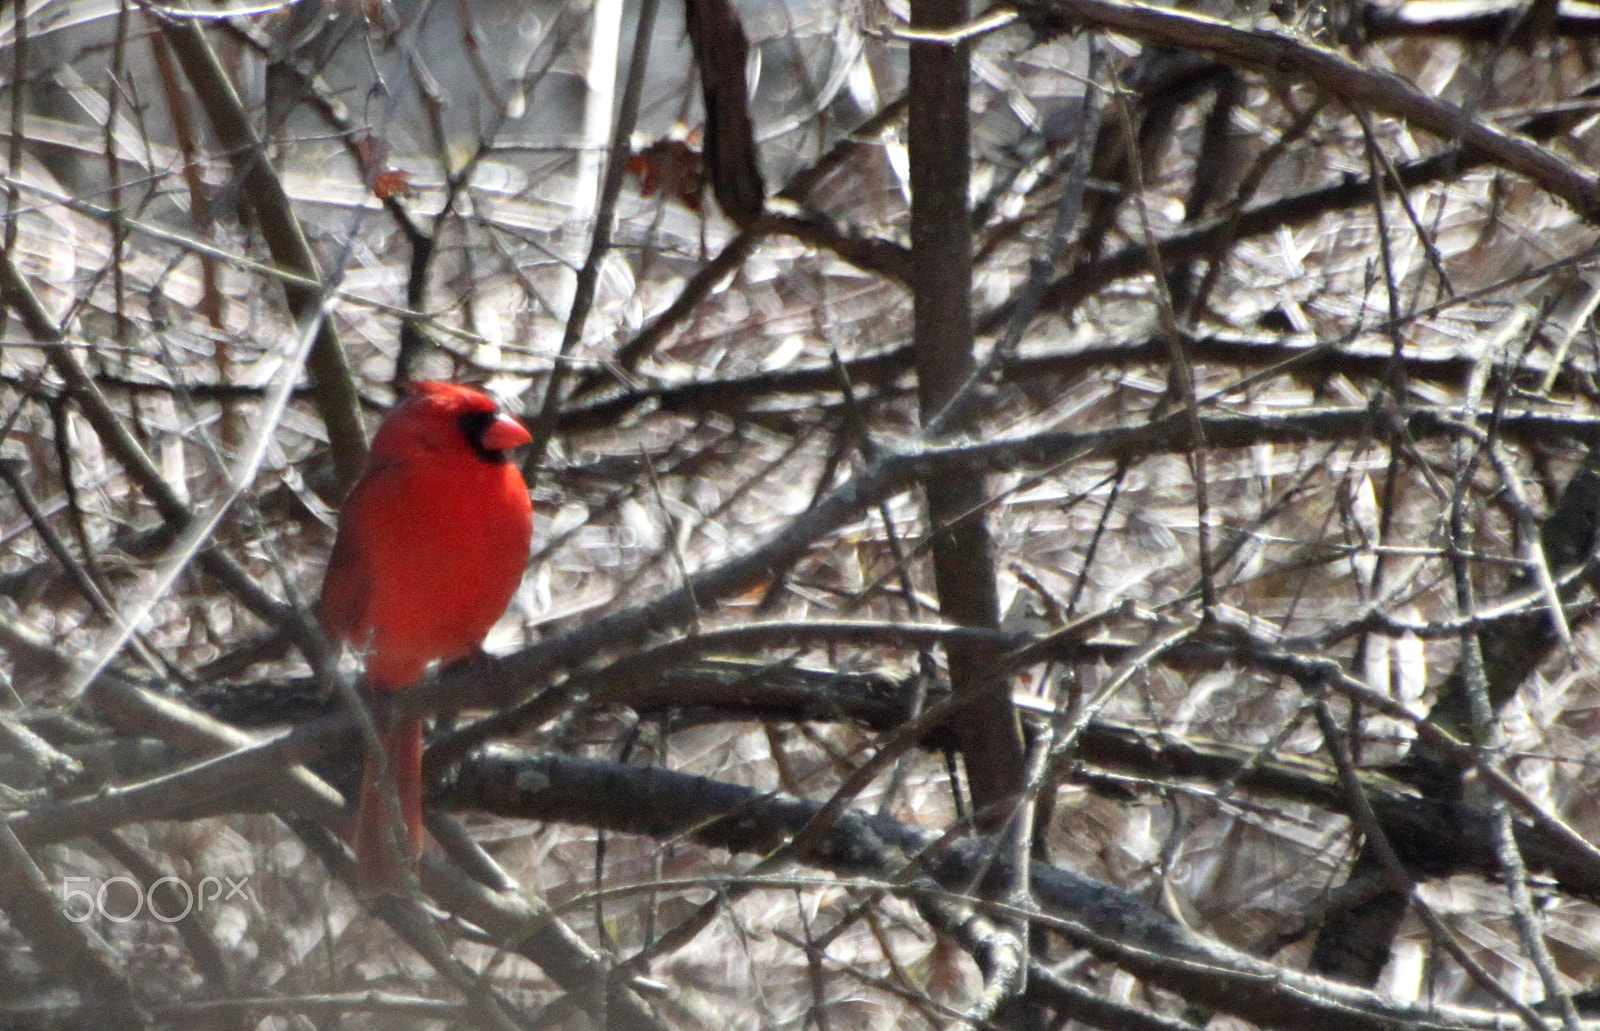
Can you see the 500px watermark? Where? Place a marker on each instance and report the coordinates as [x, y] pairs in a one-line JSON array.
[[177, 902]]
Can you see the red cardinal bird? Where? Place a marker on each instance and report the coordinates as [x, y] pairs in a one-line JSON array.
[[432, 543]]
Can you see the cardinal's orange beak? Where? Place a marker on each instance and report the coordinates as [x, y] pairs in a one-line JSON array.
[[505, 433]]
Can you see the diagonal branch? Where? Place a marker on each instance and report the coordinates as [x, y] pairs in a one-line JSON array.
[[1103, 919], [1332, 74], [335, 390]]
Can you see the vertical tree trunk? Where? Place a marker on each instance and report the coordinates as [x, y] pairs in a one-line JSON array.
[[941, 242]]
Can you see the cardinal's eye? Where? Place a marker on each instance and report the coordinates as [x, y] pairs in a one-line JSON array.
[[474, 425]]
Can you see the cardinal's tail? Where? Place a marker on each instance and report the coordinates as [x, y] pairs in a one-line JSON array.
[[389, 822]]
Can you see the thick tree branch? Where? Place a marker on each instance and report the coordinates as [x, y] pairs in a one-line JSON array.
[[666, 805]]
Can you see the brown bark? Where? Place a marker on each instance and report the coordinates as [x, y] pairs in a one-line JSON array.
[[335, 392], [941, 244], [731, 162]]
